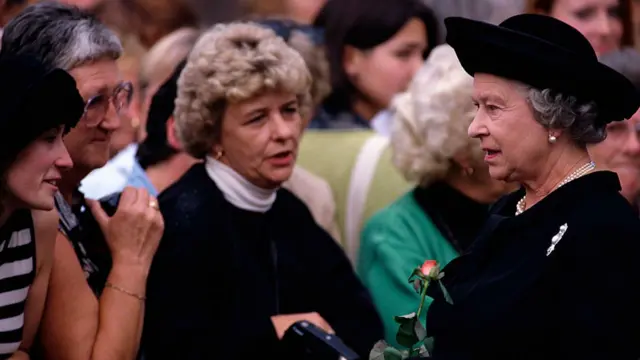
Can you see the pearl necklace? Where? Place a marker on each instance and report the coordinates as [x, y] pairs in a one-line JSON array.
[[581, 171]]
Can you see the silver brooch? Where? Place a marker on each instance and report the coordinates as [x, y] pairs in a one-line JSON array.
[[556, 238]]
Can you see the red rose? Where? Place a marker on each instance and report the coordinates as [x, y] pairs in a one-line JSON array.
[[430, 269]]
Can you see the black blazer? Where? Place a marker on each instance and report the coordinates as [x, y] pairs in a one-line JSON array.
[[514, 297], [220, 273]]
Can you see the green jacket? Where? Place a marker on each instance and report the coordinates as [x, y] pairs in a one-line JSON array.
[[394, 242]]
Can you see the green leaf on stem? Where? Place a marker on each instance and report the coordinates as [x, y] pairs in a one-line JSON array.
[[423, 352], [417, 272], [419, 330], [405, 319], [417, 285], [392, 354], [407, 335]]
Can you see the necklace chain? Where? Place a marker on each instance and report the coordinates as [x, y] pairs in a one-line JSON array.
[[581, 171]]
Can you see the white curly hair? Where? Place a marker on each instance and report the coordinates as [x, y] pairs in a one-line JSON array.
[[432, 117], [232, 63]]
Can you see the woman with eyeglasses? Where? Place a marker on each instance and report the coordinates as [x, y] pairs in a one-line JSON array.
[[96, 295]]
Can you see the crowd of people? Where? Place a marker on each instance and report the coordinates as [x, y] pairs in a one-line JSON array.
[[180, 187]]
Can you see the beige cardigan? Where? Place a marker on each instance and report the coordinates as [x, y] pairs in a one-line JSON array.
[[317, 195]]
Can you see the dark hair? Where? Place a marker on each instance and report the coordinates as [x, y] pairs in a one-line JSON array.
[[365, 24], [33, 100], [155, 148]]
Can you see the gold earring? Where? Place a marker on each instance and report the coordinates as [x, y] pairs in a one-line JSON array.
[[469, 171], [218, 154]]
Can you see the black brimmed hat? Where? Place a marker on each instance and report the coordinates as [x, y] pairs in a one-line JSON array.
[[543, 52], [32, 101]]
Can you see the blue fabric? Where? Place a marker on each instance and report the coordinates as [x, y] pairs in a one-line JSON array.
[[139, 179]]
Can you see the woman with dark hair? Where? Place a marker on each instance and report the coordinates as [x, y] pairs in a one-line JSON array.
[[374, 49], [38, 107]]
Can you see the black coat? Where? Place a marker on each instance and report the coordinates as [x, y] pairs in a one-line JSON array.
[[221, 273], [513, 301]]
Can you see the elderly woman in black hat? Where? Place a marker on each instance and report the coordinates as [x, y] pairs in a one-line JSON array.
[[553, 274], [37, 107]]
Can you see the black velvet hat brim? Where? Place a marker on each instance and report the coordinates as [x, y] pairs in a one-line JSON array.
[[496, 50], [33, 104]]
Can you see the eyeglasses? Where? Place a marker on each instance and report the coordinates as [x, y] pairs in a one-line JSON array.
[[96, 107], [283, 29]]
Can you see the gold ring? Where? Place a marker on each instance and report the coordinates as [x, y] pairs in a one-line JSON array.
[[153, 204]]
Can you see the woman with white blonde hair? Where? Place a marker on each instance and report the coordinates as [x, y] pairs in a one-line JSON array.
[[240, 254], [441, 216]]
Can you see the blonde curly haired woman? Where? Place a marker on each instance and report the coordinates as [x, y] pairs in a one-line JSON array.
[[441, 216], [240, 254]]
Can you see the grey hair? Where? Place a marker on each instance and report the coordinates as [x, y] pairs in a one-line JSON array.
[[60, 36], [555, 110]]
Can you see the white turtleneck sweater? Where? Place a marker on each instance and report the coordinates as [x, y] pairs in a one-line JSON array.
[[237, 190]]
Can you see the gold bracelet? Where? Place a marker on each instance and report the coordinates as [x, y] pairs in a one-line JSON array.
[[139, 297]]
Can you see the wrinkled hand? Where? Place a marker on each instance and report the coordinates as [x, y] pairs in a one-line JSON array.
[[283, 322], [133, 233]]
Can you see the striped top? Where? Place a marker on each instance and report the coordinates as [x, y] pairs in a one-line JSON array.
[[17, 272]]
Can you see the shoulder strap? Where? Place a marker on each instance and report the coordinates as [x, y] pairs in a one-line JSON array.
[[361, 177]]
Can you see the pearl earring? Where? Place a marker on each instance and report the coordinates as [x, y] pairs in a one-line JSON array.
[[552, 139]]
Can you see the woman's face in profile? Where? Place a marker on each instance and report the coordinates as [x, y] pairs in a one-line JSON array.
[[259, 138], [599, 21], [33, 176], [516, 146]]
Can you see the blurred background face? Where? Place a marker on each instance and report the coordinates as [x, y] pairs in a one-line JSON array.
[[598, 20], [620, 152], [303, 11], [83, 4], [259, 138], [388, 68], [32, 178]]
